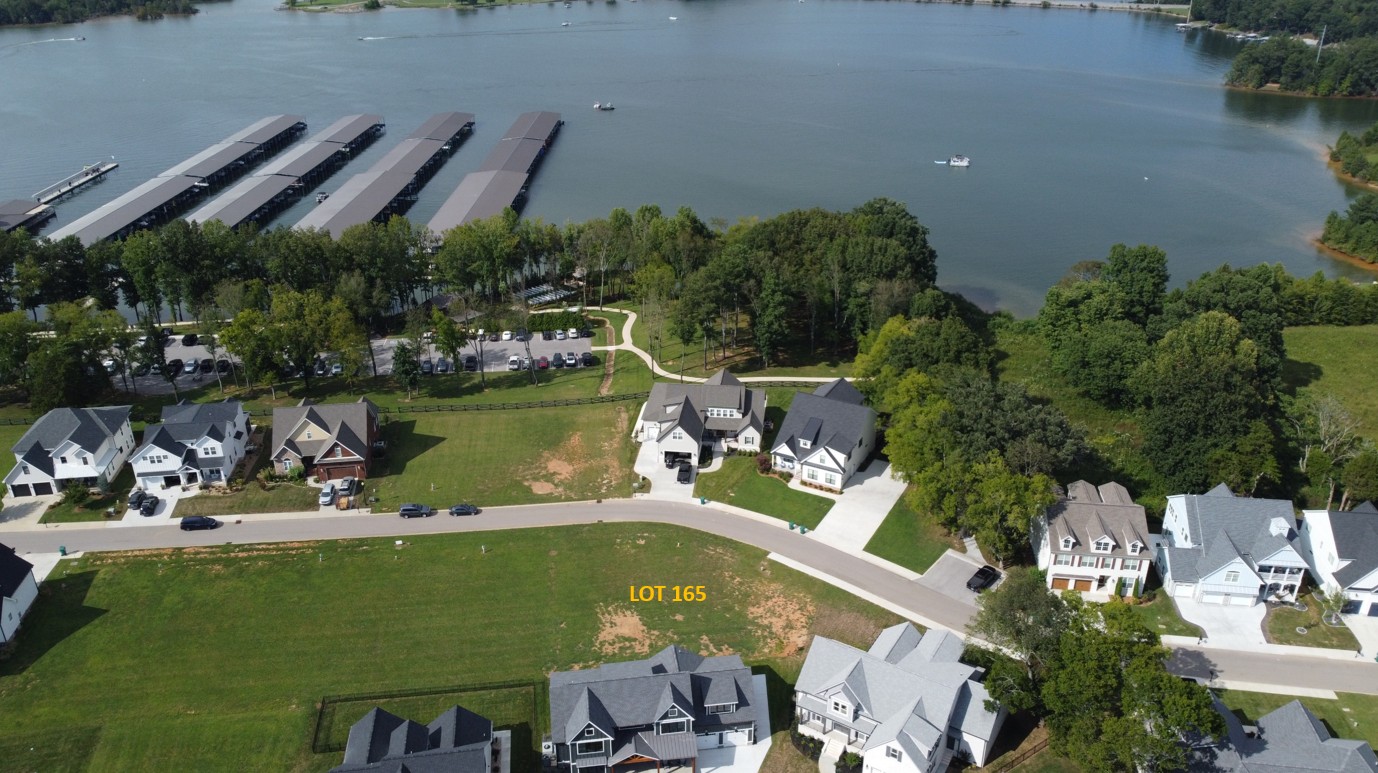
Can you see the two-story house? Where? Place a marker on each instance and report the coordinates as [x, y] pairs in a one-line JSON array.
[[1217, 548], [826, 436], [1342, 549], [1094, 540], [655, 712], [1289, 739], [87, 446], [18, 589], [681, 418], [194, 443], [906, 705], [330, 441], [458, 741]]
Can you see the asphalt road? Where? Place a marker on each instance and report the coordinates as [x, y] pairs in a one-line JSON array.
[[1231, 666]]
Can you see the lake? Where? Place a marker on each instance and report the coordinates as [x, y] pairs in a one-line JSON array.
[[1085, 128]]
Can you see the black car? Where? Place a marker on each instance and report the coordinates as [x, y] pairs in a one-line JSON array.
[[442, 365], [165, 332], [586, 359], [222, 366], [556, 361], [984, 578], [675, 458], [547, 335], [464, 510], [137, 498], [174, 367], [207, 365], [149, 506], [196, 522], [189, 339], [470, 362], [427, 367], [494, 337], [586, 333], [521, 335], [686, 471], [415, 511]]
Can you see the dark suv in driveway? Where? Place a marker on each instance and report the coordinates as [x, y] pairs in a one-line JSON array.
[[415, 511], [149, 506], [686, 471], [984, 578]]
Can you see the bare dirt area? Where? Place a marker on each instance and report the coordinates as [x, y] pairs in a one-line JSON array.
[[622, 632], [783, 620]]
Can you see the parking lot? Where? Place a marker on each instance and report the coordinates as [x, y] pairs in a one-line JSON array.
[[155, 383], [495, 353]]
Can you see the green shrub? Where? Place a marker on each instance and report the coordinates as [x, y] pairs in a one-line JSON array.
[[76, 494]]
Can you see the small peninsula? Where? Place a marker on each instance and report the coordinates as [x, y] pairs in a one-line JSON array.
[[16, 12]]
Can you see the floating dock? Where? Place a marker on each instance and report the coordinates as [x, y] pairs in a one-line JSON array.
[[282, 181], [389, 187], [74, 183], [502, 180], [165, 196], [22, 213]]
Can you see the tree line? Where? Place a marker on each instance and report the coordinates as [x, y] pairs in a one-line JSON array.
[[1348, 69], [73, 11], [1342, 19]]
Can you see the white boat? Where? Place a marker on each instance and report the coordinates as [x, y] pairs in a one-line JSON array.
[[603, 106], [322, 196], [674, 18], [959, 161], [564, 24]]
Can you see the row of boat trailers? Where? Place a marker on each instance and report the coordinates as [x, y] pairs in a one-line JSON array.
[[387, 188]]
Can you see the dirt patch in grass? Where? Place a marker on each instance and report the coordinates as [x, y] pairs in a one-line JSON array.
[[782, 620], [541, 487], [621, 631], [845, 625]]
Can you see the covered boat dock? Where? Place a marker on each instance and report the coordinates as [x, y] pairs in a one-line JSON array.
[[23, 213], [502, 180], [390, 186]]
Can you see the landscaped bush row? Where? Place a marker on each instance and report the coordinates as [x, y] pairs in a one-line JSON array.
[[807, 745]]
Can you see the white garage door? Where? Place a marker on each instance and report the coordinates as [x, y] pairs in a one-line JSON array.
[[1241, 600], [1212, 598], [730, 738]]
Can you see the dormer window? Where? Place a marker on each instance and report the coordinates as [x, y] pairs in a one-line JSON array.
[[588, 732], [674, 712], [62, 459], [1067, 543], [1136, 548], [1103, 545], [841, 708], [308, 434], [721, 708], [803, 443]]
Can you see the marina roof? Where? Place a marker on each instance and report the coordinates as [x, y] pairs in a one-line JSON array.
[[348, 129], [265, 129], [513, 156], [240, 202], [479, 195], [408, 156], [16, 212], [533, 126], [212, 159], [359, 200], [300, 160], [132, 206], [442, 126]]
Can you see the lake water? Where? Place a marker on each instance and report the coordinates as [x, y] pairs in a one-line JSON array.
[[1085, 128]]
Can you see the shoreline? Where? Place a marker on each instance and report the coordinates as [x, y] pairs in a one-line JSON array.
[[1347, 178], [1276, 90], [1173, 10], [1343, 256]]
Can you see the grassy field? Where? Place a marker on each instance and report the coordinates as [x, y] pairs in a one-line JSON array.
[[1281, 623], [738, 483], [609, 334], [1350, 715], [213, 659], [1336, 361], [909, 539], [506, 457], [1160, 615]]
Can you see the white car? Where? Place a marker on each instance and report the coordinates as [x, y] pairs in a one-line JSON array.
[[327, 495], [559, 335], [507, 335], [573, 333], [514, 363]]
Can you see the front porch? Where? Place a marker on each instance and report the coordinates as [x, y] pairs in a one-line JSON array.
[[826, 734]]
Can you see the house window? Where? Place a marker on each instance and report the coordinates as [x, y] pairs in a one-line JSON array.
[[748, 440], [830, 479], [83, 460], [803, 443], [589, 747], [722, 708], [1136, 548], [678, 726], [1131, 565], [674, 712], [287, 464], [811, 474], [62, 459], [1066, 543], [588, 731], [677, 435], [841, 708], [308, 434], [1086, 561], [25, 467], [1103, 546], [1231, 576], [894, 754], [1063, 559]]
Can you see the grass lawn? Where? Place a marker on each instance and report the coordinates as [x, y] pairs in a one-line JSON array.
[[1334, 360], [506, 457], [909, 539], [252, 498], [1281, 623], [95, 507], [738, 483], [213, 659], [609, 334], [1350, 715], [1160, 615]]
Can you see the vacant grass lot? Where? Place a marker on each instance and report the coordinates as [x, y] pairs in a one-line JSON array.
[[1350, 715], [213, 659], [738, 483], [1281, 623], [911, 540], [1336, 361], [506, 457]]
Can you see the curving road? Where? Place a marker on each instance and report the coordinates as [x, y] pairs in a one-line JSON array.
[[840, 568]]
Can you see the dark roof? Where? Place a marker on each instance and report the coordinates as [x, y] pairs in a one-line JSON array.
[[1253, 529], [480, 195], [212, 159], [1288, 739], [533, 126], [345, 423], [243, 200], [128, 208], [348, 129], [456, 742], [87, 427], [265, 129], [13, 571], [686, 405], [443, 126], [513, 156], [17, 213], [362, 198], [408, 156], [1090, 512], [187, 411], [300, 160], [841, 390], [1356, 541], [832, 420]]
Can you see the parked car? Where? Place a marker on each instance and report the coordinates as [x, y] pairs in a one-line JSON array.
[[222, 366], [559, 335], [586, 333], [165, 332], [149, 506], [674, 458], [189, 339], [322, 368], [347, 486], [481, 334], [174, 366], [571, 360], [507, 335], [190, 367], [470, 362], [983, 578], [442, 365], [586, 359], [155, 369], [415, 511], [686, 471], [197, 522], [327, 496], [427, 367], [136, 498], [542, 363], [526, 363], [464, 510], [207, 365], [110, 364], [514, 362], [572, 333], [556, 361], [521, 335], [493, 338], [141, 370], [547, 335]]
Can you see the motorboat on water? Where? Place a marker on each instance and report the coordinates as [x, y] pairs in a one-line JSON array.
[[603, 106], [322, 196], [564, 24], [959, 161]]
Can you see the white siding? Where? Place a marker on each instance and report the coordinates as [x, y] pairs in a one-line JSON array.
[[12, 610]]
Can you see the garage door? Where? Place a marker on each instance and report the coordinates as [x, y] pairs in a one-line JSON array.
[[1082, 585], [1241, 600], [1061, 583], [21, 490], [1372, 609], [41, 489], [1212, 598], [725, 738]]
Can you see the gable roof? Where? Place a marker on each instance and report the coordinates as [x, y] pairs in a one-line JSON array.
[[13, 571], [1356, 541], [187, 423], [1289, 739], [457, 742], [187, 412], [1090, 512], [343, 423], [86, 427], [829, 418], [686, 405], [1224, 527]]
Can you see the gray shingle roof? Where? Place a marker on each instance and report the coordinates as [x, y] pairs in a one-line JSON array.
[[346, 423], [1090, 512], [1254, 530], [687, 405], [1356, 541], [455, 742], [187, 412], [832, 420], [1290, 740], [87, 427], [13, 570]]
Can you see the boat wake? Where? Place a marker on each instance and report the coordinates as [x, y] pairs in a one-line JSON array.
[[39, 42]]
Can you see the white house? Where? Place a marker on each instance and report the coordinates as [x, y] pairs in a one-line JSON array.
[[681, 418], [1094, 540], [195, 443], [905, 705], [1343, 552], [1218, 548], [826, 436], [18, 589], [82, 445]]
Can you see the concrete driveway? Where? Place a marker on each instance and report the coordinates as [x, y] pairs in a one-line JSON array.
[[650, 464], [860, 508], [1225, 626], [743, 759], [949, 574]]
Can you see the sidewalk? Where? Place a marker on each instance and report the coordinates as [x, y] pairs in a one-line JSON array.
[[1282, 650]]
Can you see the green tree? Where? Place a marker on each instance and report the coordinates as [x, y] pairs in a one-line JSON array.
[[17, 342], [769, 323], [1360, 478], [1141, 275], [406, 367], [1022, 617], [1002, 505], [251, 338]]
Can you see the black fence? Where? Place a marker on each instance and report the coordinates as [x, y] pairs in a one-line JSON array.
[[1000, 766]]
